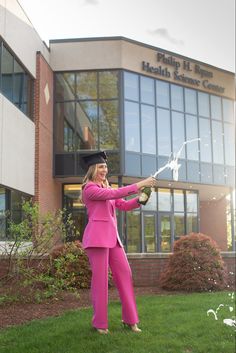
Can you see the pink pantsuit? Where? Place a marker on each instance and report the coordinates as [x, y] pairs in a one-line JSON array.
[[104, 249]]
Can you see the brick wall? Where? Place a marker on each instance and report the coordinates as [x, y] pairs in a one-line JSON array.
[[147, 268], [47, 190]]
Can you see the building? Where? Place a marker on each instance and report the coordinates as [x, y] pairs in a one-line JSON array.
[[140, 104]]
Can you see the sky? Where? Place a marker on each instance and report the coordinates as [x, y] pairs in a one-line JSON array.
[[199, 29]]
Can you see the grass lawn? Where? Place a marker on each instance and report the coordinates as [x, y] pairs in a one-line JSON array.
[[170, 324]]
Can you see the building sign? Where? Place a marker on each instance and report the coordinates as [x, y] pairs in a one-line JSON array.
[[183, 71]]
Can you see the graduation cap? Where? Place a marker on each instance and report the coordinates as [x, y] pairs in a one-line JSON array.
[[95, 158]]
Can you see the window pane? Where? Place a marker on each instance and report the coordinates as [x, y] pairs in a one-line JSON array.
[[149, 232], [206, 173], [7, 73], [192, 133], [64, 86], [191, 199], [192, 224], [2, 213], [216, 107], [152, 202], [205, 140], [190, 101], [203, 104], [178, 135], [18, 85], [163, 132], [228, 110], [131, 86], [108, 125], [108, 84], [132, 127], [177, 101], [64, 126], [133, 231], [165, 232], [217, 142], [162, 94], [229, 137], [86, 85], [86, 125], [148, 129], [147, 90], [178, 201], [179, 228], [164, 200]]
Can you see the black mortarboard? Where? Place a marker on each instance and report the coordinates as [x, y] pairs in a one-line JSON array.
[[95, 158]]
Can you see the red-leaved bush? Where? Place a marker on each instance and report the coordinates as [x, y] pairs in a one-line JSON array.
[[195, 265]]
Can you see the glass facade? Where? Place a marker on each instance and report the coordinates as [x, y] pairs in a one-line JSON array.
[[160, 116], [140, 132], [86, 118], [15, 82]]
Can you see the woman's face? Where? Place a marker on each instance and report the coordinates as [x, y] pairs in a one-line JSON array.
[[101, 172]]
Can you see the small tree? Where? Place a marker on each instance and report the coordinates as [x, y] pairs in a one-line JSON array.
[[29, 264], [195, 265]]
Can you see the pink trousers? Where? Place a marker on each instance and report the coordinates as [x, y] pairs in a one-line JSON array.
[[100, 260]]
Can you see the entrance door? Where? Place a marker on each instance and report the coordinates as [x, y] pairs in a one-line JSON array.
[[149, 231], [165, 232]]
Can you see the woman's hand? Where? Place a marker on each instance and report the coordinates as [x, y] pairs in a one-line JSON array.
[[148, 182]]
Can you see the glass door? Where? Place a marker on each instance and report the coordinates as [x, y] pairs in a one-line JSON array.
[[165, 232], [149, 231]]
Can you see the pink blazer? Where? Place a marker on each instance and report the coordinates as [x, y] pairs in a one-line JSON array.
[[101, 230]]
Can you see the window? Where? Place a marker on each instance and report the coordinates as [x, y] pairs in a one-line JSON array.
[[132, 127], [131, 87], [164, 200], [229, 138], [133, 232], [16, 83], [205, 140], [64, 87], [108, 125], [163, 132], [216, 108], [192, 133], [190, 101], [178, 132], [228, 110], [177, 100], [217, 142], [147, 90], [162, 94], [148, 129], [87, 110], [2, 213], [203, 104]]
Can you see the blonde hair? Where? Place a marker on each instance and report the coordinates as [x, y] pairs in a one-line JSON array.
[[91, 176]]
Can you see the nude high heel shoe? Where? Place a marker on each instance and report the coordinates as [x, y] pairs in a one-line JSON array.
[[133, 328], [102, 331]]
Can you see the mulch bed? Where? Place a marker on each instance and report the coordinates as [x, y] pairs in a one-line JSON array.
[[19, 313]]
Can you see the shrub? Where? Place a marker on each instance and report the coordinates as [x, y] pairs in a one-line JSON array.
[[28, 274], [70, 264], [195, 265]]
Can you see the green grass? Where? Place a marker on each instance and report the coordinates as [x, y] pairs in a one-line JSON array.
[[170, 324]]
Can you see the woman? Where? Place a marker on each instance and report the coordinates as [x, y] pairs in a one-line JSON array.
[[102, 243]]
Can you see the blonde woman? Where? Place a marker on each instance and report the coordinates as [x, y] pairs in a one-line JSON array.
[[102, 243]]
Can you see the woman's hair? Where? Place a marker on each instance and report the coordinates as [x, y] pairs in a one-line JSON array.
[[91, 176]]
